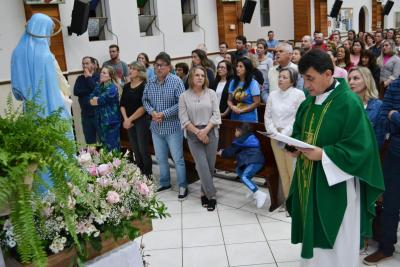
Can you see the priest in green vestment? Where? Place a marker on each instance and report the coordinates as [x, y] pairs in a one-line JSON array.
[[335, 185]]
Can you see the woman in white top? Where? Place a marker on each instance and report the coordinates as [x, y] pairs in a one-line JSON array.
[[221, 85], [200, 118], [279, 117]]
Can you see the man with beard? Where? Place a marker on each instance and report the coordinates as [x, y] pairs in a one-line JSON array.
[[120, 67], [319, 42], [306, 43]]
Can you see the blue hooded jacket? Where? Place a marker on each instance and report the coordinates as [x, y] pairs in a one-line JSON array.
[[246, 149]]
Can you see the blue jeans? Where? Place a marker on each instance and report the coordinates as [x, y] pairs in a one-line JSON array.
[[246, 173], [172, 143], [391, 202]]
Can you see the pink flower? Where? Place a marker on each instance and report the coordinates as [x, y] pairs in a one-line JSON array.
[[112, 197], [92, 170], [116, 162], [104, 169], [143, 189]]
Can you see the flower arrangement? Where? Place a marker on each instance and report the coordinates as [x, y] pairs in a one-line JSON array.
[[115, 193], [31, 145]]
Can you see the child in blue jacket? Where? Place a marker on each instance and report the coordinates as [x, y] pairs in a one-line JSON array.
[[247, 151]]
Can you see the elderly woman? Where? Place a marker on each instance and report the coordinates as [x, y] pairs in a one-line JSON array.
[[389, 63], [135, 118], [200, 118], [280, 112], [362, 83]]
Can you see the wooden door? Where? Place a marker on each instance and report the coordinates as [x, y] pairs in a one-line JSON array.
[[229, 25]]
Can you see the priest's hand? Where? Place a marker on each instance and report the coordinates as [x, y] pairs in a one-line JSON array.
[[311, 153], [294, 154]]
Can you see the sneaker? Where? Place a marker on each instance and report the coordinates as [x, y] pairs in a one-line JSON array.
[[163, 188], [183, 192], [260, 198], [375, 258]]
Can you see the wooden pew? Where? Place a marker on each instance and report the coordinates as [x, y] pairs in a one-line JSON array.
[[226, 135]]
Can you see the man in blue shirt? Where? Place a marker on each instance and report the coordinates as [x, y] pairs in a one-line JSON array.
[[271, 42], [160, 100]]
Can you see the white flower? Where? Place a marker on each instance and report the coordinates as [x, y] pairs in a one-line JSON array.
[[84, 158], [11, 243], [63, 240], [96, 234], [7, 225]]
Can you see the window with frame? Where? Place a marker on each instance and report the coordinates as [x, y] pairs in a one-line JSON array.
[[99, 24], [188, 15], [147, 17], [264, 13]]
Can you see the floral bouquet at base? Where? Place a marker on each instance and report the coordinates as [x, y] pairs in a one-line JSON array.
[[115, 195]]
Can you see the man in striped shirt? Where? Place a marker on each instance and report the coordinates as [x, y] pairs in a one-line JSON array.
[[160, 100]]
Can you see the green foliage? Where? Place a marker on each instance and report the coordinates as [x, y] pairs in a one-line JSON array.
[[26, 138]]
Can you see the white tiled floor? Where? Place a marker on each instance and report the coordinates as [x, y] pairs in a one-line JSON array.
[[235, 234]]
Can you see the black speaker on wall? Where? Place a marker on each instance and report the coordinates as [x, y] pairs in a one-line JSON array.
[[336, 8], [247, 11], [388, 7], [80, 18]]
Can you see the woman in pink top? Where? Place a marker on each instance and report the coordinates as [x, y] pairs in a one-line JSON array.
[[339, 72], [355, 52]]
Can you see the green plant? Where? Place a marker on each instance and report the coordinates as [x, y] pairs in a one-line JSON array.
[[26, 138]]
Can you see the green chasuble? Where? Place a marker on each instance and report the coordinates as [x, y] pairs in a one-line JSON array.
[[340, 127]]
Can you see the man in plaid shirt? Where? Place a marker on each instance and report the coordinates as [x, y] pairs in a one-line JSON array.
[[160, 99]]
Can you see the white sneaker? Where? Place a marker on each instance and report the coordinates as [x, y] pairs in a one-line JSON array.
[[260, 198]]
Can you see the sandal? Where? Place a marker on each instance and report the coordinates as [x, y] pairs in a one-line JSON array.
[[211, 204], [204, 201]]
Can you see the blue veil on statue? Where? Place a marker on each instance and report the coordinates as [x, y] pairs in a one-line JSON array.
[[34, 73], [33, 70]]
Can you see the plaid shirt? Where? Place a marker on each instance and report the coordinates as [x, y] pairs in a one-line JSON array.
[[164, 97]]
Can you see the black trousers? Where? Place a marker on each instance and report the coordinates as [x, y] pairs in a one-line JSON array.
[[139, 135]]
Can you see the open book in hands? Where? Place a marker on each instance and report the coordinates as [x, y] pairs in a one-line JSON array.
[[287, 140]]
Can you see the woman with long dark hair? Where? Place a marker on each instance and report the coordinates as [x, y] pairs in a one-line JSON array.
[[221, 85], [369, 60], [355, 51], [244, 93], [343, 58], [199, 58]]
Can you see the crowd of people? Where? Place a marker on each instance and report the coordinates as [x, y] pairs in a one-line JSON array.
[[170, 103]]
